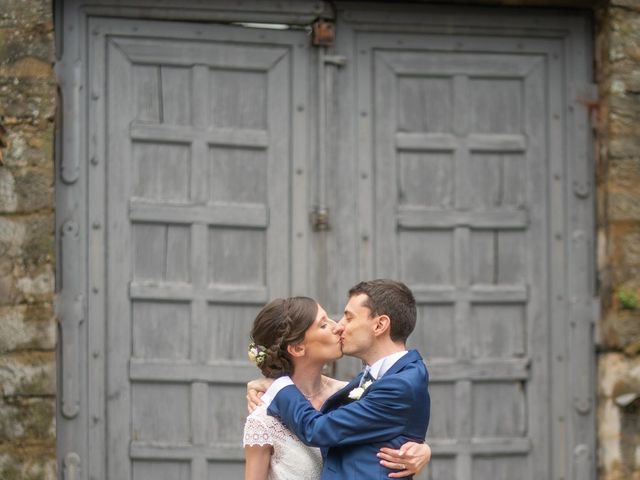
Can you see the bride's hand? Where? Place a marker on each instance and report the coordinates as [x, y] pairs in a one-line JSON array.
[[410, 459], [255, 390]]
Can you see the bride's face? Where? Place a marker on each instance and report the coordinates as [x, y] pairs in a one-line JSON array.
[[320, 341]]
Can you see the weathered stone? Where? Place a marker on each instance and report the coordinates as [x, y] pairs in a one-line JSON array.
[[620, 328], [34, 189], [8, 195], [624, 104], [31, 99], [29, 146], [618, 421], [630, 4], [625, 245], [27, 419], [12, 235], [624, 206], [622, 274], [28, 463], [27, 327], [20, 43], [624, 146], [39, 240], [624, 173], [38, 286], [21, 13], [26, 259], [27, 374], [27, 67], [630, 245]]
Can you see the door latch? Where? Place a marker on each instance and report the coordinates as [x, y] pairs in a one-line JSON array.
[[320, 219]]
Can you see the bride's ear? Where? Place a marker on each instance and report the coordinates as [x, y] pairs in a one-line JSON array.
[[296, 350]]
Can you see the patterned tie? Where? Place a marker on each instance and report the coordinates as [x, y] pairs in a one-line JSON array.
[[366, 376]]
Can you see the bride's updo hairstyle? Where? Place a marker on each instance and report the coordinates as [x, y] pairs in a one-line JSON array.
[[281, 323]]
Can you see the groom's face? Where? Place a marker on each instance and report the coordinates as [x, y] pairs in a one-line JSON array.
[[356, 327]]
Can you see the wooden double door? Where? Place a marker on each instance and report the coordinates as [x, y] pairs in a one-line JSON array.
[[228, 163]]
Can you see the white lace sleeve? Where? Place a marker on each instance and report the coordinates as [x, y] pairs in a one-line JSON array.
[[256, 432]]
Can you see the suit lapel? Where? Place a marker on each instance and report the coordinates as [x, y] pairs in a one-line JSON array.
[[341, 395]]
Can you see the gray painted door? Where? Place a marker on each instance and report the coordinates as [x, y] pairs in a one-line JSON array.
[[455, 161], [199, 140], [458, 217], [459, 150]]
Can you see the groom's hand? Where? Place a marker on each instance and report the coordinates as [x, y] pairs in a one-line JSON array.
[[255, 390], [410, 459]]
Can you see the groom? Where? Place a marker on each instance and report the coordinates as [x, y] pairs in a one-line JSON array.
[[385, 406]]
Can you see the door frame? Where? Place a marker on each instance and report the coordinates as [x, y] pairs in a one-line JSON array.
[[570, 240]]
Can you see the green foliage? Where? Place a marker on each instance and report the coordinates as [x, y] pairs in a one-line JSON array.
[[628, 299]]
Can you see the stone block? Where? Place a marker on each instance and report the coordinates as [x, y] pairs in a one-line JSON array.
[[618, 416], [627, 146], [620, 329], [627, 4], [12, 236], [34, 189], [623, 274], [37, 286], [21, 13], [38, 248], [624, 206], [27, 420], [26, 259], [624, 174], [8, 195], [27, 374], [23, 42], [28, 463], [27, 99], [27, 327], [624, 243], [29, 146], [30, 238]]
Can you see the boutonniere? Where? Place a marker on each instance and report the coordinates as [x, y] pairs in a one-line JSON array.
[[357, 392]]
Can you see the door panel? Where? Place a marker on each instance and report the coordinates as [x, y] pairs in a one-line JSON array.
[[200, 139], [458, 145]]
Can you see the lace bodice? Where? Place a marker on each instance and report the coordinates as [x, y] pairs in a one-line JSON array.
[[291, 459]]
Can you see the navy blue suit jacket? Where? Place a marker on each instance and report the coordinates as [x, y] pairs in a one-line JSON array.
[[392, 411]]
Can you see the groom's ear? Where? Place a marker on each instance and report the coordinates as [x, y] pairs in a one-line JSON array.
[[296, 350], [382, 325]]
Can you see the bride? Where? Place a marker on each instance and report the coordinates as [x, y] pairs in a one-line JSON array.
[[295, 337]]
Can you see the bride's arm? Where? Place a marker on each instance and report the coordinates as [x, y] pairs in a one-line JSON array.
[[257, 458]]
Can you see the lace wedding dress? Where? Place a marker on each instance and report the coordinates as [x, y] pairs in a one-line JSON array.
[[291, 459]]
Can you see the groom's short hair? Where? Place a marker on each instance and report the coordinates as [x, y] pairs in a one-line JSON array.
[[391, 298]]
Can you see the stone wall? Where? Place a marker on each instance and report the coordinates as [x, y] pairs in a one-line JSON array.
[[618, 176], [27, 258]]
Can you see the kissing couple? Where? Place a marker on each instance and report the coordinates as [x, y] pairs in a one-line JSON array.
[[304, 425]]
